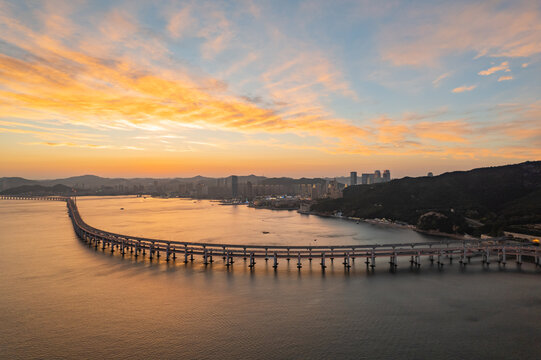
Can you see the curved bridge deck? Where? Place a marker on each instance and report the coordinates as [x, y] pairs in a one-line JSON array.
[[498, 249]]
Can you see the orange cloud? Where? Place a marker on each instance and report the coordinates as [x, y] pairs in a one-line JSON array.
[[82, 89], [487, 29], [504, 78], [464, 88], [503, 66]]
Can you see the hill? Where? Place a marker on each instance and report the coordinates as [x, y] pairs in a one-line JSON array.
[[39, 190], [477, 201]]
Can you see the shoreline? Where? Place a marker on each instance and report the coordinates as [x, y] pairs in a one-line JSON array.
[[389, 223]]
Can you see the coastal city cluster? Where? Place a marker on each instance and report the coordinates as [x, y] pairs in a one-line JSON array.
[[245, 188], [257, 191]]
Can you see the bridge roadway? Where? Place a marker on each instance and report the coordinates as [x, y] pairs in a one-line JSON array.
[[497, 249]]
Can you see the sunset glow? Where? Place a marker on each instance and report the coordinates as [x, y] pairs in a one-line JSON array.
[[276, 88]]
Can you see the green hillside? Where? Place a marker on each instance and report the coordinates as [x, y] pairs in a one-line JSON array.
[[498, 197]]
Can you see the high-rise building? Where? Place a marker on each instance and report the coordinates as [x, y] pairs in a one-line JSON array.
[[386, 176], [353, 178], [234, 186], [365, 179], [377, 176]]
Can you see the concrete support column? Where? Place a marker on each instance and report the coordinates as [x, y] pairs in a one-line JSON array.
[[323, 266], [299, 264], [275, 265], [346, 261]]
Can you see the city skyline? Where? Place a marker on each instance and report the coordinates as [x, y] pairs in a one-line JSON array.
[[175, 89]]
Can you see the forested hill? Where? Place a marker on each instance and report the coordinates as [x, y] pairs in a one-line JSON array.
[[498, 197]]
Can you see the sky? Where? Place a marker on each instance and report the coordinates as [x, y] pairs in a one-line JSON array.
[[275, 88]]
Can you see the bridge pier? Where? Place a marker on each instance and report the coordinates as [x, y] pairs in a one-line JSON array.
[[275, 265], [323, 266], [167, 252], [185, 254], [227, 260], [205, 255], [210, 257], [519, 257], [266, 254], [373, 264], [252, 261], [174, 253], [299, 264], [346, 261], [136, 249]]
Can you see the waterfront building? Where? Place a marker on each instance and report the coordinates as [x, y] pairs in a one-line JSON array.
[[386, 176]]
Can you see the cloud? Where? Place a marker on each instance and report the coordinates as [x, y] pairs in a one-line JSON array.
[[426, 34], [86, 146], [504, 78], [464, 88], [440, 78], [503, 66], [130, 84], [180, 22], [525, 65], [73, 85]]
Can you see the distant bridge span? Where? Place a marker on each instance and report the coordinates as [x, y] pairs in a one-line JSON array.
[[498, 249]]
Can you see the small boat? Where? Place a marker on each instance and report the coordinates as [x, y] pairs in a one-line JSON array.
[[265, 232], [121, 208]]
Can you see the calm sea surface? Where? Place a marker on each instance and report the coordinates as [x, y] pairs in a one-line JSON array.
[[61, 299]]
